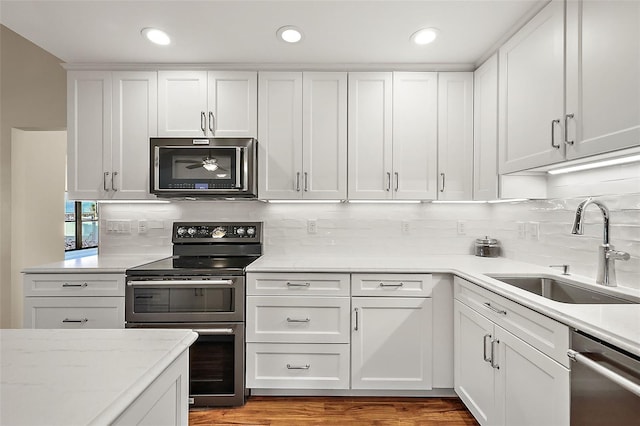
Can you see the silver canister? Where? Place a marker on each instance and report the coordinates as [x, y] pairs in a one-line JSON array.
[[487, 247]]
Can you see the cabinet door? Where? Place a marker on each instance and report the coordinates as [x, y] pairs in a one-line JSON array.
[[280, 135], [88, 134], [324, 126], [455, 135], [182, 103], [391, 343], [415, 135], [603, 76], [532, 389], [135, 120], [233, 104], [474, 379], [370, 134], [485, 131], [531, 92]]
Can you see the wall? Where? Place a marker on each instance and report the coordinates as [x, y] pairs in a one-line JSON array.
[[32, 95]]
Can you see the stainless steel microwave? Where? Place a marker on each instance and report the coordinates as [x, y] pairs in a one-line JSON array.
[[204, 167]]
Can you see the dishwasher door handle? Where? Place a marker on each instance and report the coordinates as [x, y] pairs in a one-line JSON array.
[[604, 371]]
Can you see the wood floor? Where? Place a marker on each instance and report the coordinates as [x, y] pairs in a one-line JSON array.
[[337, 411]]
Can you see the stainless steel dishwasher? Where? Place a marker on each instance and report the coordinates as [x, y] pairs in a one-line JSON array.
[[605, 383]]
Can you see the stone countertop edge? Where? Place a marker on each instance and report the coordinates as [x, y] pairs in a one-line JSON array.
[[97, 264], [128, 396]]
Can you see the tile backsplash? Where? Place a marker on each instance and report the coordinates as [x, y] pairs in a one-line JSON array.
[[401, 229]]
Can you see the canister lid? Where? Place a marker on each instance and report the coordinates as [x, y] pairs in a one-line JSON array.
[[486, 241]]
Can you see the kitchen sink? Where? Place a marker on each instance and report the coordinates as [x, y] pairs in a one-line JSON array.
[[561, 291]]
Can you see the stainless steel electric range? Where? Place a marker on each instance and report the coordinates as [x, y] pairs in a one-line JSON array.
[[201, 287]]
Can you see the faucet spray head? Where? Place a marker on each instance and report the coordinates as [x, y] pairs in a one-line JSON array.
[[578, 220]]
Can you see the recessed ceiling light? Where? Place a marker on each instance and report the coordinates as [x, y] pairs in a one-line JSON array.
[[156, 36], [424, 36], [290, 34]]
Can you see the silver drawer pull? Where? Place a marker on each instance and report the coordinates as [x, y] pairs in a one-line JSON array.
[[298, 367], [484, 348], [391, 285], [289, 284], [74, 285], [493, 362], [298, 320], [496, 310], [83, 320]]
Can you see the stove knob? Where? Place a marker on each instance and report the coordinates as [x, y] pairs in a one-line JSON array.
[[192, 231], [182, 231], [240, 231], [251, 231]]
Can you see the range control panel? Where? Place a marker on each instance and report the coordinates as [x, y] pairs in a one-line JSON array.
[[214, 232]]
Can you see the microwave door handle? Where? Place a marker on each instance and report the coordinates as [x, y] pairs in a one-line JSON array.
[[181, 283], [238, 158]]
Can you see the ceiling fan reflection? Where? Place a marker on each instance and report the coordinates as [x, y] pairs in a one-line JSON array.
[[208, 163]]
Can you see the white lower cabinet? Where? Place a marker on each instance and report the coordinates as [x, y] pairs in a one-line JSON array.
[[502, 379]]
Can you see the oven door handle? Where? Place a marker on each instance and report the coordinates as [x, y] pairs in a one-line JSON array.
[[214, 331], [604, 371], [182, 283]]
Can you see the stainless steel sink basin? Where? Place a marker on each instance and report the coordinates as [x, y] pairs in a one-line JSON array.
[[561, 291]]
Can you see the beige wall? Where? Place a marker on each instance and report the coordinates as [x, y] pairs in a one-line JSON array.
[[32, 95]]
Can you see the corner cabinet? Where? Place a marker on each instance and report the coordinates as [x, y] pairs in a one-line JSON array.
[[510, 363], [302, 135], [207, 103], [110, 118]]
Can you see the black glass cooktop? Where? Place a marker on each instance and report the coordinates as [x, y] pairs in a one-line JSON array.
[[195, 265]]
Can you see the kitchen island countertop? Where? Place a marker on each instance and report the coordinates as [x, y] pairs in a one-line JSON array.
[[103, 263]]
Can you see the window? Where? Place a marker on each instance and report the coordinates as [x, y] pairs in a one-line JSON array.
[[81, 225]]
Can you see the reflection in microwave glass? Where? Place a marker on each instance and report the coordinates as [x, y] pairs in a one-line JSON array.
[[203, 167]]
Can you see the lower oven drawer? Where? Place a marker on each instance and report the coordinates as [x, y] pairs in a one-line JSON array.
[[297, 366], [74, 312]]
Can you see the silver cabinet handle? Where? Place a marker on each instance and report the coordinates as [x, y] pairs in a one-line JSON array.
[[566, 129], [397, 181], [212, 122], [553, 134], [298, 320], [494, 309], [306, 182], [493, 354], [203, 122], [82, 321], [484, 348], [298, 181], [74, 285], [442, 175], [290, 284], [604, 371], [388, 181], [390, 285], [113, 177], [355, 328], [298, 367], [104, 181]]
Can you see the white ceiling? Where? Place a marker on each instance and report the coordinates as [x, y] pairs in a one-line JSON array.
[[244, 31]]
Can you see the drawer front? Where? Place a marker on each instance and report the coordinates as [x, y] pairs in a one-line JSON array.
[[74, 312], [543, 333], [74, 284], [297, 366], [395, 285], [278, 284], [278, 319]]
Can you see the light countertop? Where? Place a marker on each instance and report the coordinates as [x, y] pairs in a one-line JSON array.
[[110, 263], [80, 377], [617, 324]]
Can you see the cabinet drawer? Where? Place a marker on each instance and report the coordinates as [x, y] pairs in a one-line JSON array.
[[546, 335], [292, 319], [74, 312], [297, 366], [396, 285], [74, 285], [277, 284]]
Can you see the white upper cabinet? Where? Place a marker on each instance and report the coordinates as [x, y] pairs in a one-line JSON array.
[[455, 135], [393, 135], [485, 131], [603, 76], [207, 103], [532, 92], [111, 116], [302, 135]]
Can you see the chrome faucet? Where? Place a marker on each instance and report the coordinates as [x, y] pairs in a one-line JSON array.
[[606, 253]]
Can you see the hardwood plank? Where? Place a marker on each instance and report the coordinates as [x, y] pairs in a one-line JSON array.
[[365, 411]]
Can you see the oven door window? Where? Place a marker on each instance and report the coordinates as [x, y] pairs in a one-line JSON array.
[[198, 168], [212, 365], [147, 300]]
